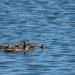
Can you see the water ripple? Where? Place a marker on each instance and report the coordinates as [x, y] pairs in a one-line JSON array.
[[41, 21]]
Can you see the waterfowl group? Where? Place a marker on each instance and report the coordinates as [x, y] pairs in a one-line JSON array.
[[22, 46]]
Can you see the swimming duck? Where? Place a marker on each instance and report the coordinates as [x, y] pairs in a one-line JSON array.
[[22, 46]]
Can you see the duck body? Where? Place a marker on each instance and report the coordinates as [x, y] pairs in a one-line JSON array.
[[20, 46], [13, 49]]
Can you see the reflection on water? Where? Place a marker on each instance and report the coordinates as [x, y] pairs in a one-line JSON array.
[[51, 22]]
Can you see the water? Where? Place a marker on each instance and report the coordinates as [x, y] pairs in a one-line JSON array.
[[51, 22]]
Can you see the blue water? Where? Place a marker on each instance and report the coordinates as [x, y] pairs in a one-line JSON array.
[[51, 22]]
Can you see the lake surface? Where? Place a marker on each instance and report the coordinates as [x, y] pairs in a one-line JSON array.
[[51, 22]]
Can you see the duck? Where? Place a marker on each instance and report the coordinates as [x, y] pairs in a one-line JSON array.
[[21, 46]]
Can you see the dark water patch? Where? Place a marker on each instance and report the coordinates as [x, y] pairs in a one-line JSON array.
[[52, 17]]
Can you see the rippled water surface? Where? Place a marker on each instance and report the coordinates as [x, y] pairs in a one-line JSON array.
[[51, 22]]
